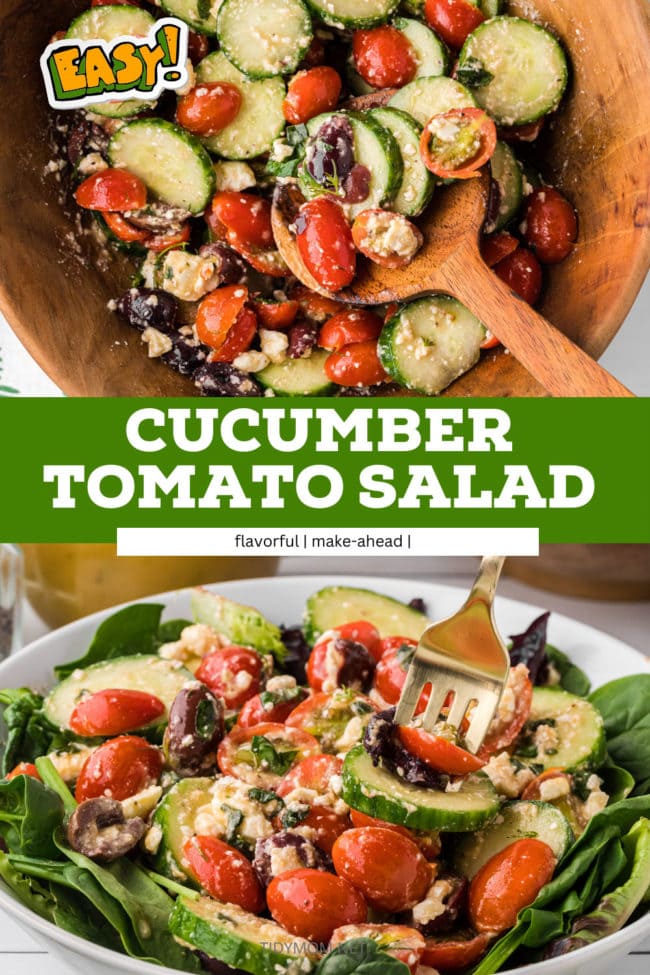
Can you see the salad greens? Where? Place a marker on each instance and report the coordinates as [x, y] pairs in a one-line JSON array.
[[624, 705], [360, 956], [29, 732]]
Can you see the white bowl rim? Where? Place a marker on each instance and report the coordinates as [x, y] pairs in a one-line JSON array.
[[631, 933]]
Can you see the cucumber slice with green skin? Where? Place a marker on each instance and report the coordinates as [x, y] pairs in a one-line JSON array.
[[336, 605], [575, 738], [105, 24], [429, 343], [196, 13], [528, 66], [516, 820], [260, 120], [266, 38], [351, 13], [377, 792], [418, 184], [241, 624], [426, 97], [506, 171], [431, 53], [171, 162], [239, 939], [174, 815], [298, 377], [375, 148], [491, 8], [141, 672]]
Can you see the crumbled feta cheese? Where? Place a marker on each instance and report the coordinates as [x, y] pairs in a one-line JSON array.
[[93, 162], [234, 176], [188, 276], [517, 680], [351, 736], [332, 663], [274, 344], [390, 235], [251, 361], [434, 903], [142, 803], [191, 80], [157, 342], [69, 764], [153, 839], [597, 799], [546, 740], [505, 778], [555, 788], [196, 641], [284, 858]]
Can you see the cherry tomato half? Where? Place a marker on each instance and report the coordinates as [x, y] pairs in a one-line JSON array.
[[390, 675], [313, 772], [551, 225], [453, 20], [384, 57], [503, 734], [164, 242], [112, 712], [454, 953], [256, 712], [534, 789], [324, 242], [123, 230], [314, 306], [522, 273], [428, 843], [239, 338], [111, 189], [263, 753], [232, 673], [310, 93], [326, 716], [508, 882], [372, 231], [327, 826], [385, 866], [398, 941], [119, 768], [208, 108], [494, 247], [356, 365], [242, 219], [224, 872], [330, 666], [455, 144], [278, 315], [218, 312], [437, 752], [23, 768], [313, 904], [348, 327]]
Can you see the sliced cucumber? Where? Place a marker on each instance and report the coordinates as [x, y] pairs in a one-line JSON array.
[[336, 605], [418, 183], [491, 8], [516, 821], [298, 377], [528, 66], [260, 120], [175, 817], [199, 14], [429, 343], [573, 735], [379, 793], [266, 38], [426, 97], [105, 24], [507, 173], [241, 624], [375, 148], [352, 13], [170, 161], [239, 939], [432, 55], [141, 672]]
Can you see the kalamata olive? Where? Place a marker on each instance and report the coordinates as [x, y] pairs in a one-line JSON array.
[[222, 379], [231, 268], [185, 355], [418, 604], [158, 217], [195, 729], [149, 307], [83, 136], [330, 153], [303, 336], [356, 185], [382, 744], [493, 207], [298, 651], [97, 828], [285, 851], [358, 667], [450, 891]]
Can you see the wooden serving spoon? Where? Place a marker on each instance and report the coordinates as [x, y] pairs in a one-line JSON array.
[[450, 262]]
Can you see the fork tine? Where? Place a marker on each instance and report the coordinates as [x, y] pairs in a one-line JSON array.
[[480, 719], [434, 707], [458, 709], [416, 678]]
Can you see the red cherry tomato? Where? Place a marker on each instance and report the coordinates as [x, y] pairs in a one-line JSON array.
[[428, 843], [390, 674], [254, 711], [361, 820], [385, 866], [384, 57], [165, 242], [242, 219], [324, 241], [453, 20], [398, 941], [218, 312], [373, 226], [208, 108], [224, 872], [509, 882], [494, 247], [112, 712], [268, 262], [391, 310], [314, 306], [119, 768], [522, 273], [348, 327], [311, 93], [236, 757], [313, 772], [278, 315], [503, 735], [313, 904], [551, 225], [456, 952], [356, 365], [111, 189], [462, 156], [239, 338], [23, 768], [198, 46], [124, 230], [533, 789], [360, 631], [327, 826], [437, 752], [232, 673]]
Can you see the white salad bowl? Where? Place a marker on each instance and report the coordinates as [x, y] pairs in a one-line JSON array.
[[601, 656]]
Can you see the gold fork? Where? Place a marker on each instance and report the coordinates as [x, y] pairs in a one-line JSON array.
[[463, 655]]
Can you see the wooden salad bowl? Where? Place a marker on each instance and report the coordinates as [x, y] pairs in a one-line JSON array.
[[597, 152]]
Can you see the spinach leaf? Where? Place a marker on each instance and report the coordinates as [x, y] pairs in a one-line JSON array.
[[624, 706], [29, 732], [617, 782], [131, 630], [29, 814], [572, 679], [171, 630], [361, 956], [31, 893], [267, 756]]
